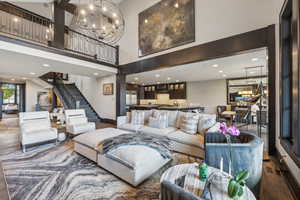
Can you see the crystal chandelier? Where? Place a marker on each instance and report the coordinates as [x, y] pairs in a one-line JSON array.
[[99, 19]]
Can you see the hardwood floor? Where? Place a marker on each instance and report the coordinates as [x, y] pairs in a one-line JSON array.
[[274, 186]]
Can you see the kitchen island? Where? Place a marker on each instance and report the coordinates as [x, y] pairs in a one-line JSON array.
[[167, 107]]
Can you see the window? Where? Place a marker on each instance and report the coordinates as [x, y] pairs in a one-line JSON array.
[[290, 89], [9, 93]]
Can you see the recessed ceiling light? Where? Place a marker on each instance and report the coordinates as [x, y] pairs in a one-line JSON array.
[[176, 5], [254, 59], [46, 65], [114, 15], [82, 12], [146, 21], [136, 78], [177, 81], [94, 25], [32, 73], [91, 6], [24, 78], [224, 75], [169, 78], [117, 22], [157, 75], [13, 79], [220, 71], [215, 65], [96, 74], [16, 19], [104, 9], [158, 82]]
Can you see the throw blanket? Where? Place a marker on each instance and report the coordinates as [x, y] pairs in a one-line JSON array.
[[159, 143]]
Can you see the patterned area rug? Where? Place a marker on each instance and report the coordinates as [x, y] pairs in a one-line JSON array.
[[61, 174]]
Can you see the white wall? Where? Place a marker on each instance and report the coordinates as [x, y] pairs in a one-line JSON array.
[[209, 94], [106, 104], [87, 86], [215, 19], [32, 91]]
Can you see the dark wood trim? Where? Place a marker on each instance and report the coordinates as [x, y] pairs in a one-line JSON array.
[[120, 94], [59, 26], [234, 45], [53, 50], [290, 11], [271, 45], [289, 176], [109, 121]]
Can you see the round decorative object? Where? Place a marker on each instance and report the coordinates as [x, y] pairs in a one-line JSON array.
[[100, 19], [61, 137]]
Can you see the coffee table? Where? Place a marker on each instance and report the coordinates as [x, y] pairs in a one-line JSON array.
[[193, 184]]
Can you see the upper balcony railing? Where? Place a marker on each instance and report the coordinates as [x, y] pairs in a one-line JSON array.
[[22, 24]]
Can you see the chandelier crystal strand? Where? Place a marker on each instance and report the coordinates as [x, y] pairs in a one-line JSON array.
[[100, 19]]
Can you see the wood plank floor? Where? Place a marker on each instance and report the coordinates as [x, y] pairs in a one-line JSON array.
[[274, 186]]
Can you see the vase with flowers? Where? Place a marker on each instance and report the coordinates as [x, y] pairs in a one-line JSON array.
[[237, 183]]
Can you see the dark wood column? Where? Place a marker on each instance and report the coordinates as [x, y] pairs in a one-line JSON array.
[[59, 26], [121, 94]]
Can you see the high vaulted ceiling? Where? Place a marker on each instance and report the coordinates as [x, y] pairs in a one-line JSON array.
[[221, 68]]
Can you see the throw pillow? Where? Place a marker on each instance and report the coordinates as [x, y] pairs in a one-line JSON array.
[[189, 124], [205, 122], [137, 117], [159, 121]]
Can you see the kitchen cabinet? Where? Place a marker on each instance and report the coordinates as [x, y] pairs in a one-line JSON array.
[[177, 90]]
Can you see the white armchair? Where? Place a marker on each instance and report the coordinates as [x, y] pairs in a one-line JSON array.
[[36, 129], [77, 122]]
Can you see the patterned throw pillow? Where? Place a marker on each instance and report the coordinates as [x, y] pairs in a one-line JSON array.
[[159, 120], [137, 117], [189, 124], [206, 121]]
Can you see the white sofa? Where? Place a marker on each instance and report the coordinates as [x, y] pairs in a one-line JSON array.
[[77, 122], [36, 129], [182, 142]]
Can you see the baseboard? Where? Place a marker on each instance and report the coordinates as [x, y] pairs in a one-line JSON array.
[[289, 177], [110, 121]]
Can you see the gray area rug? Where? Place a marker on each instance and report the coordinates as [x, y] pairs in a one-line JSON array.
[[61, 174]]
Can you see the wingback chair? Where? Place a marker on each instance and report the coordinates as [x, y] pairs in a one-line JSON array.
[[36, 129], [77, 122], [247, 153]]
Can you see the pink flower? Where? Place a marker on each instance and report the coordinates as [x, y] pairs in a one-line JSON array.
[[233, 130], [229, 130], [223, 128]]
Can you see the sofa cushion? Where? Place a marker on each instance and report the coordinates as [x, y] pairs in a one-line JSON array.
[[181, 115], [205, 122], [188, 139], [77, 120], [159, 120], [157, 131], [130, 127], [37, 136], [215, 128], [172, 116], [35, 125], [81, 128], [133, 156], [189, 124], [137, 117]]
